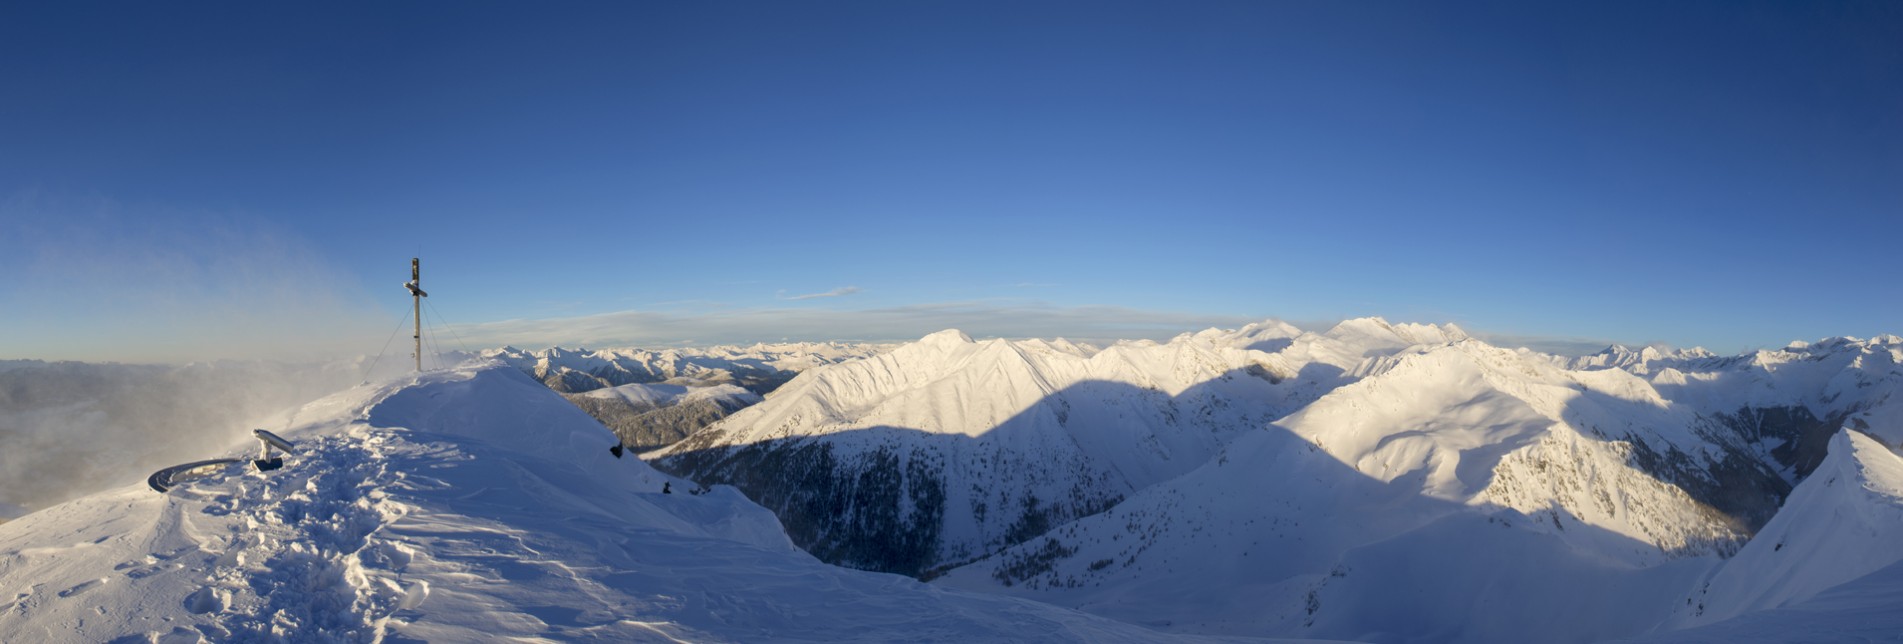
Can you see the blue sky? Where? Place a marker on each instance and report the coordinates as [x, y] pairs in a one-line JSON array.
[[184, 180]]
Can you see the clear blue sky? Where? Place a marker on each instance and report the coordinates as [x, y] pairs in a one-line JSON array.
[[1727, 174]]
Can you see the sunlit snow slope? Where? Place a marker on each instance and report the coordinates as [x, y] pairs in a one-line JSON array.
[[949, 449], [468, 505], [1827, 569], [1455, 491], [1844, 522]]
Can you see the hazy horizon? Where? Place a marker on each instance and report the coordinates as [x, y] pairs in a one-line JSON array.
[[519, 334]]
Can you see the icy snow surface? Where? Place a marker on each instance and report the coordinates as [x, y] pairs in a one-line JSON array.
[[468, 505]]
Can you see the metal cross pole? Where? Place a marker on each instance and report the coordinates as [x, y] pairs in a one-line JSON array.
[[416, 302]]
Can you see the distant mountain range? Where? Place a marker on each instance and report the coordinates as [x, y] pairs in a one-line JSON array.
[[654, 397], [1234, 482], [1372, 481], [759, 368]]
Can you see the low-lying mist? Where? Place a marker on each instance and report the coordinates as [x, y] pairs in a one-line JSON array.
[[69, 429], [237, 318]]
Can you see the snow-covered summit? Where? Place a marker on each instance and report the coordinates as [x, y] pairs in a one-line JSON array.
[[1379, 331], [1619, 356], [464, 505], [946, 338]]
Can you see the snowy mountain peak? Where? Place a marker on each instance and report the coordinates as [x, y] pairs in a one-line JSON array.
[[1380, 329], [947, 337], [1641, 360], [1268, 329], [1361, 326], [1452, 332], [1267, 336]]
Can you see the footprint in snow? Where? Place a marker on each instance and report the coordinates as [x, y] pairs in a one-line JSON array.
[[414, 596], [83, 587], [205, 600], [178, 635], [147, 571]]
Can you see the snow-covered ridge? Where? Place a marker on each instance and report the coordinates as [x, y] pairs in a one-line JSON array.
[[980, 444], [1637, 471], [759, 367], [655, 396], [1458, 469], [1840, 524], [647, 416], [1640, 360], [466, 505], [1480, 425]]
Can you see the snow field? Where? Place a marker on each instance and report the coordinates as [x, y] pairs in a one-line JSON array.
[[469, 505]]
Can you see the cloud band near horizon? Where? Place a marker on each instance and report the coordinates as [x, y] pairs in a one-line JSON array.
[[893, 324], [838, 292], [982, 319]]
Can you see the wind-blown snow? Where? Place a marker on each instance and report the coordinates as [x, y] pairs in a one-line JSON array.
[[54, 418], [469, 505]]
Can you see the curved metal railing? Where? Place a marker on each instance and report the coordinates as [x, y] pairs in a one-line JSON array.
[[162, 480]]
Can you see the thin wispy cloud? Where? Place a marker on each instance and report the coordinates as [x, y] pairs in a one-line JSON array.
[[838, 292]]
